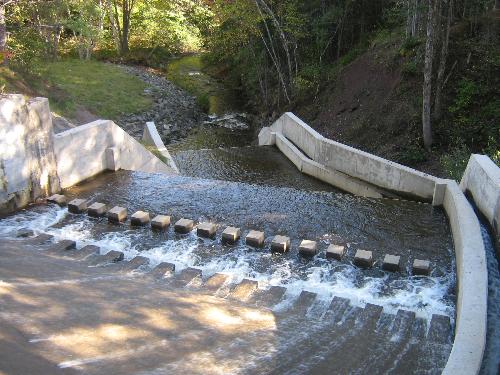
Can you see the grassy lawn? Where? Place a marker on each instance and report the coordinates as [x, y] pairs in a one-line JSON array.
[[103, 89]]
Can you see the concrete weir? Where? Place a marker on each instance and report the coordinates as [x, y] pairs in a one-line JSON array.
[[367, 175]]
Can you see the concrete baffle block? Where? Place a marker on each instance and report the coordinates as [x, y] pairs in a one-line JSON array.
[[216, 281], [231, 235], [308, 248], [189, 276], [24, 232], [139, 218], [163, 270], [184, 226], [62, 246], [206, 230], [160, 222], [336, 252], [77, 206], [117, 214], [255, 238], [363, 259], [392, 263], [280, 244], [97, 209], [244, 290], [421, 267], [57, 199]]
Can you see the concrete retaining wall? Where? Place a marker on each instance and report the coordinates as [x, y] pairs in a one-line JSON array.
[[349, 161], [481, 180], [27, 162], [101, 145], [348, 169]]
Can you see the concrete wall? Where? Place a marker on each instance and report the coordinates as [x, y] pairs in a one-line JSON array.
[[101, 145], [472, 275], [27, 162], [151, 137], [349, 169], [349, 161], [481, 180]]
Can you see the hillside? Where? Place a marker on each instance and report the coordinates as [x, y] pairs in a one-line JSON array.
[[374, 102]]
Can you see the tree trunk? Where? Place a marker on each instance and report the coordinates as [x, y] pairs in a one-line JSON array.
[[427, 87], [442, 63], [3, 35]]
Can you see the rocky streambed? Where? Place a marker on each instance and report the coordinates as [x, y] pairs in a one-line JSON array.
[[175, 111]]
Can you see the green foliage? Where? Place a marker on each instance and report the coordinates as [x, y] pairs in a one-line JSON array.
[[455, 162], [410, 68], [412, 155]]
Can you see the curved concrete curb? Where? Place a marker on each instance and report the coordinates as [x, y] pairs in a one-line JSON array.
[[470, 330], [349, 169]]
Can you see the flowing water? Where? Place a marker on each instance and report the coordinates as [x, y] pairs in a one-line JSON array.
[[409, 229]]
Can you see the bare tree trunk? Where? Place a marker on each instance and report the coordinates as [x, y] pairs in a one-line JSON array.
[[427, 87], [442, 64], [3, 33], [113, 19]]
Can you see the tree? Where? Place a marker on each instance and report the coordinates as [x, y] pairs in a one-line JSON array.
[[427, 86], [3, 30], [120, 13]]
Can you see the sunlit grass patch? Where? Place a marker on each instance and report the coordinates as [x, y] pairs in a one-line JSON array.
[[103, 89]]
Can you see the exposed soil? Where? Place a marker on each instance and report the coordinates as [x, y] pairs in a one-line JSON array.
[[370, 106]]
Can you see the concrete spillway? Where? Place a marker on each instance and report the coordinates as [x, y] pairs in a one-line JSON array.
[[107, 319], [127, 299]]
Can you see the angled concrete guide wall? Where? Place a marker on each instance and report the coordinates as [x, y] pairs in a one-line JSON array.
[[349, 161], [481, 180], [27, 162], [101, 145], [150, 136], [349, 168]]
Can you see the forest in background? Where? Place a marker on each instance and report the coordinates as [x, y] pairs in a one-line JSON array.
[[441, 58]]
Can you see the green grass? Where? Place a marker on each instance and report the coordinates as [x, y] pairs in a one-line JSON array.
[[103, 89]]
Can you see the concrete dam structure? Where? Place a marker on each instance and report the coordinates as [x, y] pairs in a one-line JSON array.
[[118, 258]]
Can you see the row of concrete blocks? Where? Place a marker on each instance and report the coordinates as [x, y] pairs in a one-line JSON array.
[[246, 291], [281, 244]]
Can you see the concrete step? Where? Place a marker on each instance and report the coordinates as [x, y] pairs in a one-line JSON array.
[[40, 239], [440, 329], [269, 297], [188, 277], [337, 308], [61, 247], [215, 282], [244, 290], [133, 264], [303, 303], [84, 252], [163, 270], [110, 257]]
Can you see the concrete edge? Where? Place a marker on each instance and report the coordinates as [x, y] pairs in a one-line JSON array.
[[387, 175], [116, 150], [151, 137], [470, 331], [481, 180], [316, 170]]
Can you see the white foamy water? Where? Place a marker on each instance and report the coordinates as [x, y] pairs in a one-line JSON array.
[[423, 295]]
